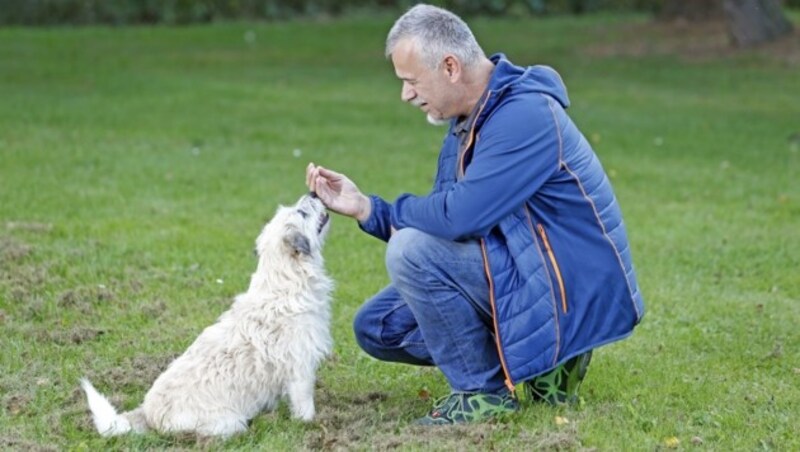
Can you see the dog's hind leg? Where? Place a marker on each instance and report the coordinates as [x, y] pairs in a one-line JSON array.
[[137, 419], [301, 398], [225, 427]]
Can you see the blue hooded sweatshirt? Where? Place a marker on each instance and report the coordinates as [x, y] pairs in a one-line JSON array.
[[531, 190]]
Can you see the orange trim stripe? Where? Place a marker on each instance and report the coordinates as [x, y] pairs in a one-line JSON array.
[[605, 234], [555, 266], [509, 382], [558, 128]]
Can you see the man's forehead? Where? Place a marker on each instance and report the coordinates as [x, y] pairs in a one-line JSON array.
[[405, 58], [406, 46]]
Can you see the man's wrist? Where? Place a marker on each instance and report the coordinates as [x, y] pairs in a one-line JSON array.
[[365, 210]]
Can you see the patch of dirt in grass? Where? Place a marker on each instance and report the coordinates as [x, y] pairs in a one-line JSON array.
[[367, 420], [193, 441], [15, 404], [150, 367], [20, 279], [12, 442], [138, 371], [16, 274], [29, 226], [343, 420], [691, 41], [563, 439], [69, 336], [455, 437], [83, 299], [32, 306], [155, 309], [13, 251]]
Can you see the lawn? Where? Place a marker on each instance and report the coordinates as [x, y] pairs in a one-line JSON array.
[[137, 166]]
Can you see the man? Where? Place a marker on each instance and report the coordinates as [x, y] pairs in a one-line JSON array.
[[517, 264]]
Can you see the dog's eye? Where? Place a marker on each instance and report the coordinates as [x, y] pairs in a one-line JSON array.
[[303, 213]]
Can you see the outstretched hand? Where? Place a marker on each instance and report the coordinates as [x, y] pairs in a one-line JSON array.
[[337, 192]]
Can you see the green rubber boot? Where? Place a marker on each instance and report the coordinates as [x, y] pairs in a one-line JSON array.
[[560, 385]]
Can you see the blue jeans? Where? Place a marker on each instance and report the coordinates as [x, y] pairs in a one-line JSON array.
[[435, 312]]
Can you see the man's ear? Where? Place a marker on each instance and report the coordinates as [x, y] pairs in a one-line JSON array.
[[452, 68], [298, 243]]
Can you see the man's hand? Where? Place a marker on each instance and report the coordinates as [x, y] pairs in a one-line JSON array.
[[338, 193]]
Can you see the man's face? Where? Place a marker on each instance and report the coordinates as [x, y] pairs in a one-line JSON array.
[[428, 89]]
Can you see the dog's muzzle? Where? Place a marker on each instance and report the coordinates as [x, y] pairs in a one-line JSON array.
[[323, 220]]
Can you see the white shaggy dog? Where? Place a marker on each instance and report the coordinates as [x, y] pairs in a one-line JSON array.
[[267, 345]]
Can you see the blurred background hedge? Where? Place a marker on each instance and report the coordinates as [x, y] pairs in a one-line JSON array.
[[122, 12]]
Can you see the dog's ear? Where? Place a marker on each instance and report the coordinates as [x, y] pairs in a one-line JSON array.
[[298, 242]]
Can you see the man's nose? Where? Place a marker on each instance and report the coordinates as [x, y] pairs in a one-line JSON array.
[[407, 93]]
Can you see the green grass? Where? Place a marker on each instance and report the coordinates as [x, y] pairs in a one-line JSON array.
[[137, 166]]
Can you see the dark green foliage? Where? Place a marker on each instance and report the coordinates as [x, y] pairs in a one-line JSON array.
[[121, 12]]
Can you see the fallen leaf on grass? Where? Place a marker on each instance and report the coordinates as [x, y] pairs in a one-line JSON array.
[[561, 420], [424, 394], [672, 442]]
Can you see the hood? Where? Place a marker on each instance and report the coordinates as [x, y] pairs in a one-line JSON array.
[[537, 79]]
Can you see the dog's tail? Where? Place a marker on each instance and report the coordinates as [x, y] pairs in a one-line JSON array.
[[106, 419]]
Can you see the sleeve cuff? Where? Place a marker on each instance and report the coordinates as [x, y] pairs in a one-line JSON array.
[[378, 224]]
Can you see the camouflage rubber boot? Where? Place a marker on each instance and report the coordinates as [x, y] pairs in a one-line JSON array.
[[462, 408], [560, 385]]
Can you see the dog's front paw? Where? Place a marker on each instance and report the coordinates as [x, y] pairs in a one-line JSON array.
[[301, 399], [303, 413]]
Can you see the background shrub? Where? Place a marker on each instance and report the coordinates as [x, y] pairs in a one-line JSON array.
[[121, 12]]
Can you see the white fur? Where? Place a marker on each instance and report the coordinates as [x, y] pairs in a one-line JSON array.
[[266, 346]]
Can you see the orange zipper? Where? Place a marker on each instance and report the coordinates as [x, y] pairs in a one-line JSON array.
[[460, 168], [509, 383], [556, 270]]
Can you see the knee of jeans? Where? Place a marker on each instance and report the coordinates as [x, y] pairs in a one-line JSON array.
[[365, 332], [407, 251]]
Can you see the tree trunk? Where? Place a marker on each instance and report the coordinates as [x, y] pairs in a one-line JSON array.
[[752, 22]]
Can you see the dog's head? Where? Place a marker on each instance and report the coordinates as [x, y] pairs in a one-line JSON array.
[[297, 231]]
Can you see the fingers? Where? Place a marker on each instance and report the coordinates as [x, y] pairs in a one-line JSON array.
[[311, 176], [328, 174], [324, 182]]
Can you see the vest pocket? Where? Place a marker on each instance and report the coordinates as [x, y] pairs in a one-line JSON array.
[[554, 264]]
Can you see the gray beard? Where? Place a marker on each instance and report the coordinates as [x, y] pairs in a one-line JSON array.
[[437, 122]]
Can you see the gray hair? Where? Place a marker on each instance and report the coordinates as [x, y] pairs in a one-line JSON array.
[[438, 32]]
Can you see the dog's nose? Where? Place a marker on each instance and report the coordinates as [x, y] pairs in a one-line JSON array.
[[312, 194]]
